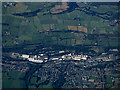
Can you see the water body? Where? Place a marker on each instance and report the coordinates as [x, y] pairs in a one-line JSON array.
[[28, 74], [77, 48], [31, 14], [28, 14], [5, 24], [72, 6]]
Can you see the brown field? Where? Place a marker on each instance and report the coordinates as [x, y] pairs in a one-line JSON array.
[[59, 8], [72, 28], [78, 28]]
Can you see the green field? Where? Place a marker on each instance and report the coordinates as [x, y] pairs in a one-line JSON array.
[[25, 30], [33, 23], [13, 79]]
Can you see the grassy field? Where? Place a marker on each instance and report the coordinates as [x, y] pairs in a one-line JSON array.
[[24, 30], [34, 81], [13, 79]]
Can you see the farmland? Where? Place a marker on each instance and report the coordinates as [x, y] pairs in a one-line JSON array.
[[52, 27]]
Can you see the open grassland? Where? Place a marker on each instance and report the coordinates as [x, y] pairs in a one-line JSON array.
[[51, 29], [13, 79]]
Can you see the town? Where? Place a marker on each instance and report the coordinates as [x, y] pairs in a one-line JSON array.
[[78, 70], [60, 45], [64, 55]]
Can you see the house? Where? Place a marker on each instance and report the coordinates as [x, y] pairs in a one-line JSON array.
[[25, 56]]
